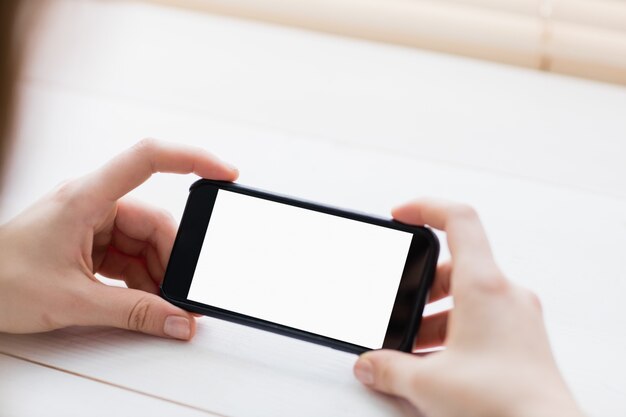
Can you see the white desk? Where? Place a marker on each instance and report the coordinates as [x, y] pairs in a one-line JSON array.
[[351, 123]]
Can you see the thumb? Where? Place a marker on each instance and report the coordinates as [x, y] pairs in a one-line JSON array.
[[140, 311], [389, 371]]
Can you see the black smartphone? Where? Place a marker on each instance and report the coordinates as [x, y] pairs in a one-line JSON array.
[[342, 279]]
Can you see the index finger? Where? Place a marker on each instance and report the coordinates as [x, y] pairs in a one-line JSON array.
[[133, 167], [466, 236]]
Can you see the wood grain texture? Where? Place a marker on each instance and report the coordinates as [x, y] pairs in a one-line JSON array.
[[346, 122]]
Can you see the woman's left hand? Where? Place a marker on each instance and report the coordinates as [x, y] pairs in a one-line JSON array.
[[50, 253]]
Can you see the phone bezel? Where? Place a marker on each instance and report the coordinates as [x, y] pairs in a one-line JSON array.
[[410, 298]]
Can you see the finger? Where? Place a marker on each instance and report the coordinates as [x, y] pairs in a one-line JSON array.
[[441, 285], [466, 237], [126, 244], [137, 224], [140, 250], [131, 270], [131, 168], [138, 311], [433, 330], [389, 371], [154, 265]]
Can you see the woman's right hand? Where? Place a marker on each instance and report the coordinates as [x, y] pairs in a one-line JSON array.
[[497, 360]]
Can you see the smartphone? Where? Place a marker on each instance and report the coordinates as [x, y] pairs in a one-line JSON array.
[[346, 280]]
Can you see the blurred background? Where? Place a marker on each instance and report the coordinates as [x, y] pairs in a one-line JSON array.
[[472, 83], [515, 106], [586, 38]]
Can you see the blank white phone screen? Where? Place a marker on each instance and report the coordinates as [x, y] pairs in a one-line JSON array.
[[312, 271]]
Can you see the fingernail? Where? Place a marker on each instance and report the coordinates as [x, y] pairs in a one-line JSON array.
[[364, 372], [177, 327]]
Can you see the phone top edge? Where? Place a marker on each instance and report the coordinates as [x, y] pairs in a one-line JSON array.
[[326, 208]]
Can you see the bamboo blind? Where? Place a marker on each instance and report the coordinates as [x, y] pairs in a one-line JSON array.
[[585, 38]]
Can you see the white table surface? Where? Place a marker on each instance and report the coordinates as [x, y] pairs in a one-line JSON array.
[[351, 123]]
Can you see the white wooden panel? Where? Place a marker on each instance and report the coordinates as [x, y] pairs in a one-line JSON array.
[[354, 124], [564, 243], [31, 390]]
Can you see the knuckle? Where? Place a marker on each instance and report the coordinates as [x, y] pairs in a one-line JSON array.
[[463, 211], [386, 377], [165, 217], [65, 191], [145, 145], [70, 196], [491, 281], [389, 377], [138, 317], [532, 298], [496, 282]]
